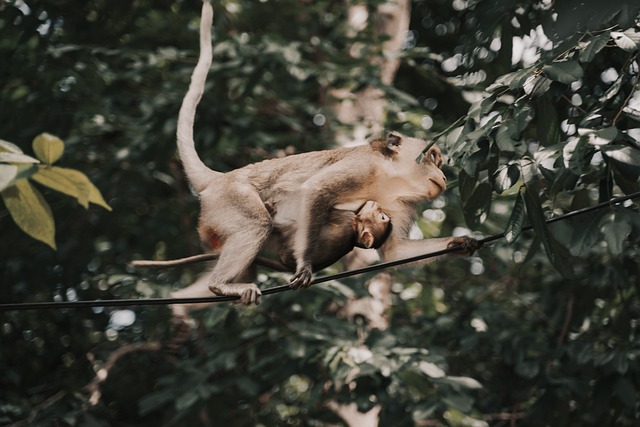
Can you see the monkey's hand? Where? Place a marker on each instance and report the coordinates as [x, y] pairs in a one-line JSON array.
[[468, 244], [302, 278]]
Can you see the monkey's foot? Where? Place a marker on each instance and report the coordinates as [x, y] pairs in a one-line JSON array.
[[302, 278], [249, 293], [469, 244]]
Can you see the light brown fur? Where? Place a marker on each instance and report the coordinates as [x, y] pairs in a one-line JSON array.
[[302, 189]]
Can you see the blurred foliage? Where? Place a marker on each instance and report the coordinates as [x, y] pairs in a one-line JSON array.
[[540, 330]]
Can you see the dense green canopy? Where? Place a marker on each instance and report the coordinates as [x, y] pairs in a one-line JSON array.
[[536, 108]]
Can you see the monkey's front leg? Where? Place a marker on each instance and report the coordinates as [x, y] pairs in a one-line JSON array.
[[398, 248]]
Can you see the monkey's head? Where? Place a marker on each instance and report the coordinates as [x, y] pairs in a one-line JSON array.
[[373, 226], [404, 152]]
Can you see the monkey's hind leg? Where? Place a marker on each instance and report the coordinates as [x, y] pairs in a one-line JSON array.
[[236, 257]]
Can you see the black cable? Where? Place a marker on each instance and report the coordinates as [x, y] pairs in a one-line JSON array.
[[282, 288]]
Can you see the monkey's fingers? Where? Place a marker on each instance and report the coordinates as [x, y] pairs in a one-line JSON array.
[[302, 278], [469, 244]]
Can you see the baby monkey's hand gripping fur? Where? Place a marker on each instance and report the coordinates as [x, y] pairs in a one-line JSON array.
[[302, 189]]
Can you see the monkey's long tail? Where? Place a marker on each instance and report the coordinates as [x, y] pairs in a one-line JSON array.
[[197, 172]]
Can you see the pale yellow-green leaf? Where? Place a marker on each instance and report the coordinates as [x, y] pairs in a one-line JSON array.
[[7, 174], [6, 146], [48, 148], [67, 181], [73, 183], [16, 158], [30, 211]]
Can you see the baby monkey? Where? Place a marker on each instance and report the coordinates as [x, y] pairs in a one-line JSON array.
[[366, 228]]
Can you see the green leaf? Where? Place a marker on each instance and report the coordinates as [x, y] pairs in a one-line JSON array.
[[586, 233], [466, 185], [628, 40], [7, 175], [513, 80], [536, 216], [476, 208], [613, 90], [602, 136], [482, 107], [16, 158], [72, 183], [595, 45], [522, 117], [62, 180], [576, 155], [506, 177], [30, 211], [48, 148], [626, 158], [616, 230], [516, 220], [565, 72], [8, 147], [10, 174], [503, 139], [548, 125], [465, 382]]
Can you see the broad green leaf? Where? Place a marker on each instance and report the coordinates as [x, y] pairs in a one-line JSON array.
[[506, 177], [565, 72], [612, 90], [482, 107], [595, 45], [466, 185], [576, 155], [548, 125], [522, 117], [48, 148], [626, 158], [513, 80], [30, 212], [586, 233], [536, 85], [628, 40], [431, 369], [16, 158], [536, 216], [6, 146], [476, 208], [602, 136], [516, 220], [464, 382], [616, 229], [503, 139], [483, 130]]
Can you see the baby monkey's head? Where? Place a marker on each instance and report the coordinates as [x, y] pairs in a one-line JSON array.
[[373, 226]]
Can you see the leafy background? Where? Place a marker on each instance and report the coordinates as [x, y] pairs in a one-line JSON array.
[[538, 330]]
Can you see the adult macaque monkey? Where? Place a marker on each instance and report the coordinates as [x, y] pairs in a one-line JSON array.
[[236, 222], [367, 228]]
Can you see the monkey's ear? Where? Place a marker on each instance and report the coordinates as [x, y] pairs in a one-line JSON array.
[[394, 140], [389, 146], [366, 239]]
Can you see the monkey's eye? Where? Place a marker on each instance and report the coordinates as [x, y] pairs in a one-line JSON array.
[[384, 217]]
